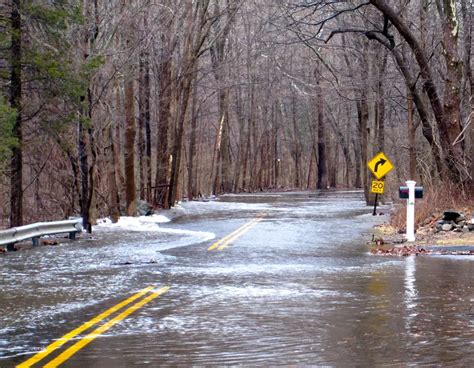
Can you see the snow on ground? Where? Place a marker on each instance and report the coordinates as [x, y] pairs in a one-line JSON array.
[[150, 224], [141, 223]]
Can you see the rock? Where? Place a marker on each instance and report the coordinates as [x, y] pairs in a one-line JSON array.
[[453, 216], [471, 227], [446, 227], [460, 218], [465, 229], [143, 208]]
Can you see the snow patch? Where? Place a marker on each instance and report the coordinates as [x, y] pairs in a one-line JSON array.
[[152, 224], [142, 223]]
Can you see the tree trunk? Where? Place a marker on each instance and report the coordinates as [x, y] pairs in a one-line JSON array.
[[358, 162], [452, 88], [447, 118], [117, 131], [380, 120], [192, 149], [164, 121], [217, 158], [142, 171], [84, 168], [182, 106], [334, 167], [226, 182], [240, 149], [411, 139], [91, 200], [363, 118], [322, 182], [130, 133], [114, 209], [246, 156], [468, 19], [296, 144], [147, 96], [345, 144], [144, 128], [16, 167]]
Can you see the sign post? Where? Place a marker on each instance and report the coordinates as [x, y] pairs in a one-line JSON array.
[[410, 235], [380, 166]]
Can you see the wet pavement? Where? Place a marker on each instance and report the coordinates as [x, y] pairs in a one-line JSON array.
[[297, 287]]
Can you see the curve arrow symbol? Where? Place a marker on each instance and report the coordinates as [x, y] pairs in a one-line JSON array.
[[379, 162]]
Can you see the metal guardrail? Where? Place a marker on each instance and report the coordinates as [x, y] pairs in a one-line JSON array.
[[35, 231]]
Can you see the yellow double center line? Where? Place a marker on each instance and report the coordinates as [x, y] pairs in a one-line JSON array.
[[225, 241], [97, 332]]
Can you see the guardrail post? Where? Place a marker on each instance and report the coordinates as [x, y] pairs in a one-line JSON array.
[[35, 241], [10, 247], [72, 235]]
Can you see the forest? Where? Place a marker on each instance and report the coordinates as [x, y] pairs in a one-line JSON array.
[[104, 104]]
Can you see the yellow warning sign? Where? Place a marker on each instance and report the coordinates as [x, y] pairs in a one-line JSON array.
[[380, 165], [378, 186]]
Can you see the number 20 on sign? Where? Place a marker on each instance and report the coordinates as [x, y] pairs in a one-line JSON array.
[[378, 186]]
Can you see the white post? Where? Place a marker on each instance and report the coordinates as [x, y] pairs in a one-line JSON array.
[[411, 211]]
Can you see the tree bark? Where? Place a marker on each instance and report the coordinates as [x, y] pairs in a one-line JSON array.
[[468, 19], [380, 107], [147, 117], [240, 149], [296, 144], [130, 133], [114, 209], [142, 170], [164, 121], [192, 149], [322, 182], [84, 168], [363, 118], [452, 86], [117, 132], [411, 139], [16, 166]]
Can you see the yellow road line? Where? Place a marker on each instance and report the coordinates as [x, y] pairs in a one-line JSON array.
[[222, 243], [100, 330], [61, 341], [235, 232], [230, 240]]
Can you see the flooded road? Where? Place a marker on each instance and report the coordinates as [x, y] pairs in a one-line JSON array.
[[296, 286]]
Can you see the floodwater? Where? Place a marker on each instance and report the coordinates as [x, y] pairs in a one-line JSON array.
[[298, 287]]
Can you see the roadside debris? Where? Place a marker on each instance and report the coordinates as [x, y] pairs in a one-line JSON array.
[[406, 251], [449, 234]]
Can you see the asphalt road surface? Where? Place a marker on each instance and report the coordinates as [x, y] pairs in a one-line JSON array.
[[270, 279]]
